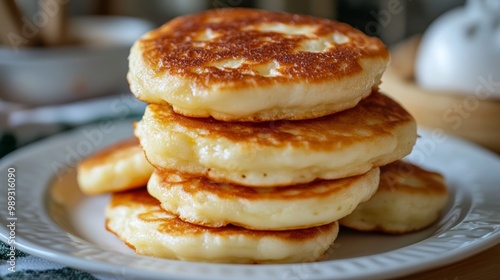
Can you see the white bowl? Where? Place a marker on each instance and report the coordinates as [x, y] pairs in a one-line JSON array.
[[41, 76]]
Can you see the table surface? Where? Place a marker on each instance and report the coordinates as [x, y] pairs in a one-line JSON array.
[[485, 265]]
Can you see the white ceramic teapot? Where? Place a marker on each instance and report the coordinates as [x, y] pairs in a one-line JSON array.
[[460, 51]]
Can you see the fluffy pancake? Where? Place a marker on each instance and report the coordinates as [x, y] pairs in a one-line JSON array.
[[208, 203], [409, 198], [253, 65], [281, 153], [119, 167], [137, 219]]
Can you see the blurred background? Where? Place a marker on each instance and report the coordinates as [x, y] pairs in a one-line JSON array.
[[391, 20]]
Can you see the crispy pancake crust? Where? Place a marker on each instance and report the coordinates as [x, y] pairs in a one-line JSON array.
[[208, 203], [137, 219], [254, 65], [408, 199], [121, 166], [281, 153]]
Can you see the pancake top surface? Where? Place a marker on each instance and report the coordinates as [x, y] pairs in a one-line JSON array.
[[375, 116], [196, 184], [403, 176], [238, 47], [317, 188], [112, 153], [173, 226]]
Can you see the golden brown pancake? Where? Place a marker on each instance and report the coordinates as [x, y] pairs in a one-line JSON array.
[[281, 153], [208, 203], [137, 219], [254, 65], [408, 199], [118, 167]]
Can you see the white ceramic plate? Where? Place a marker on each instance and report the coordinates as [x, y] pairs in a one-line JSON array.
[[56, 222]]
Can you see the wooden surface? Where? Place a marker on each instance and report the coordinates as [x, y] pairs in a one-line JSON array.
[[483, 266]]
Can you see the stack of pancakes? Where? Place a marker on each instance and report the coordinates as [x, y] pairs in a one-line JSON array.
[[264, 130]]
